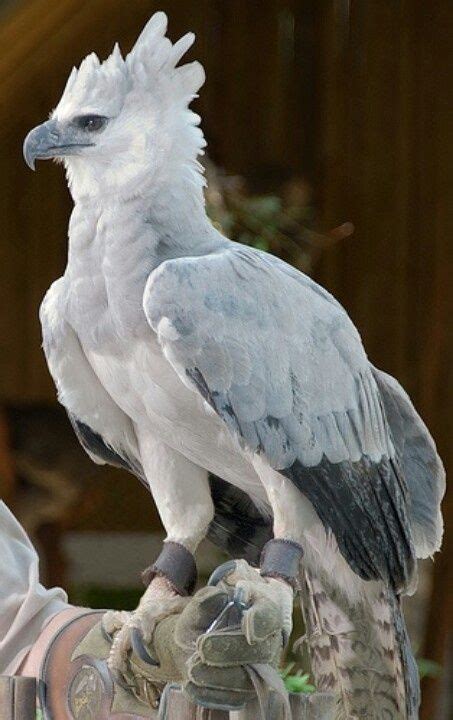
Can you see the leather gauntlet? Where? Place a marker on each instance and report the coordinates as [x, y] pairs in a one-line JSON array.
[[223, 631]]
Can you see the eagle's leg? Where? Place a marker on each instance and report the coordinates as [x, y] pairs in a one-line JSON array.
[[293, 515], [183, 498]]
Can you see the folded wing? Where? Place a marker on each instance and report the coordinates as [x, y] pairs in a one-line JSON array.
[[281, 363]]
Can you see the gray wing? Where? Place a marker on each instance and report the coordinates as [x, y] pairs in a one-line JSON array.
[[422, 465], [281, 363]]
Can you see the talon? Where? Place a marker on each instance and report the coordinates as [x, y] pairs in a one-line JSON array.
[[117, 659], [156, 604], [119, 679], [239, 599], [106, 635], [140, 649], [113, 621], [221, 572]]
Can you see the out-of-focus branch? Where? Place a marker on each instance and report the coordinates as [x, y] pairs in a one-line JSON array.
[[277, 222]]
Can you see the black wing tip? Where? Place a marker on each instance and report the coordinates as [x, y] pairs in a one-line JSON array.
[[238, 526], [361, 502], [93, 443]]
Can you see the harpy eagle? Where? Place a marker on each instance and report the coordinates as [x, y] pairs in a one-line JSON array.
[[178, 354]]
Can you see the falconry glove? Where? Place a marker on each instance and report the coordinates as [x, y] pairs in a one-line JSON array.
[[227, 628]]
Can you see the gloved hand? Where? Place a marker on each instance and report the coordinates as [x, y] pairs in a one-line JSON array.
[[241, 620], [263, 597]]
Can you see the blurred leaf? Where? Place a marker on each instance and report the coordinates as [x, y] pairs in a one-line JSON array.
[[429, 668], [303, 677], [265, 206], [287, 669], [261, 244], [296, 683]]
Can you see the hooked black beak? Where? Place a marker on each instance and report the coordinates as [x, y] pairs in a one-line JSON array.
[[48, 141]]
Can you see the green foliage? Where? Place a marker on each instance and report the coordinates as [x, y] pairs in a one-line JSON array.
[[277, 223], [429, 668], [264, 222], [39, 715], [297, 682]]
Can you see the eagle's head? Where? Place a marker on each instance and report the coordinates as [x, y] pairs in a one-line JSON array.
[[124, 122]]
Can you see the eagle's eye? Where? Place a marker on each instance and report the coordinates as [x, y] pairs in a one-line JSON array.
[[91, 123]]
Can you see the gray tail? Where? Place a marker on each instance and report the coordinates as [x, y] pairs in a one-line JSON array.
[[361, 651], [408, 664]]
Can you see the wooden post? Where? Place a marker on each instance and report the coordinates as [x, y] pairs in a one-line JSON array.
[[17, 698], [318, 706], [176, 706], [18, 702]]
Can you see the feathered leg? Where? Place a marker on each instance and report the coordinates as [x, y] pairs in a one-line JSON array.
[[183, 498]]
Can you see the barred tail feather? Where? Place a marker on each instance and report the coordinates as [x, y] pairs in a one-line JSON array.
[[409, 666], [360, 652]]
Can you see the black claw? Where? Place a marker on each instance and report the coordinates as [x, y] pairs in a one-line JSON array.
[[119, 680], [140, 649], [221, 572]]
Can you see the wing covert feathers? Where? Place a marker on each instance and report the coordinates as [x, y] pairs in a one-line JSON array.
[[283, 366]]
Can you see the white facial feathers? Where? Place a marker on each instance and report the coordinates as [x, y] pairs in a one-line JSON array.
[[152, 137]]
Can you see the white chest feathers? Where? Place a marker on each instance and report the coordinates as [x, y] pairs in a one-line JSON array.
[[110, 259]]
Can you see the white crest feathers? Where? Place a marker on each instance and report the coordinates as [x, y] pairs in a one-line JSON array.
[[95, 86], [153, 60], [150, 65]]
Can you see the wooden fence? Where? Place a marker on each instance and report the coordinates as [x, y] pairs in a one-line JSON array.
[[18, 702], [17, 698]]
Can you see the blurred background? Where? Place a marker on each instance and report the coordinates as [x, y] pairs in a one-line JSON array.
[[330, 143]]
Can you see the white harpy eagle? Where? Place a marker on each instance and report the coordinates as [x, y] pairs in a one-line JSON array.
[[178, 353]]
